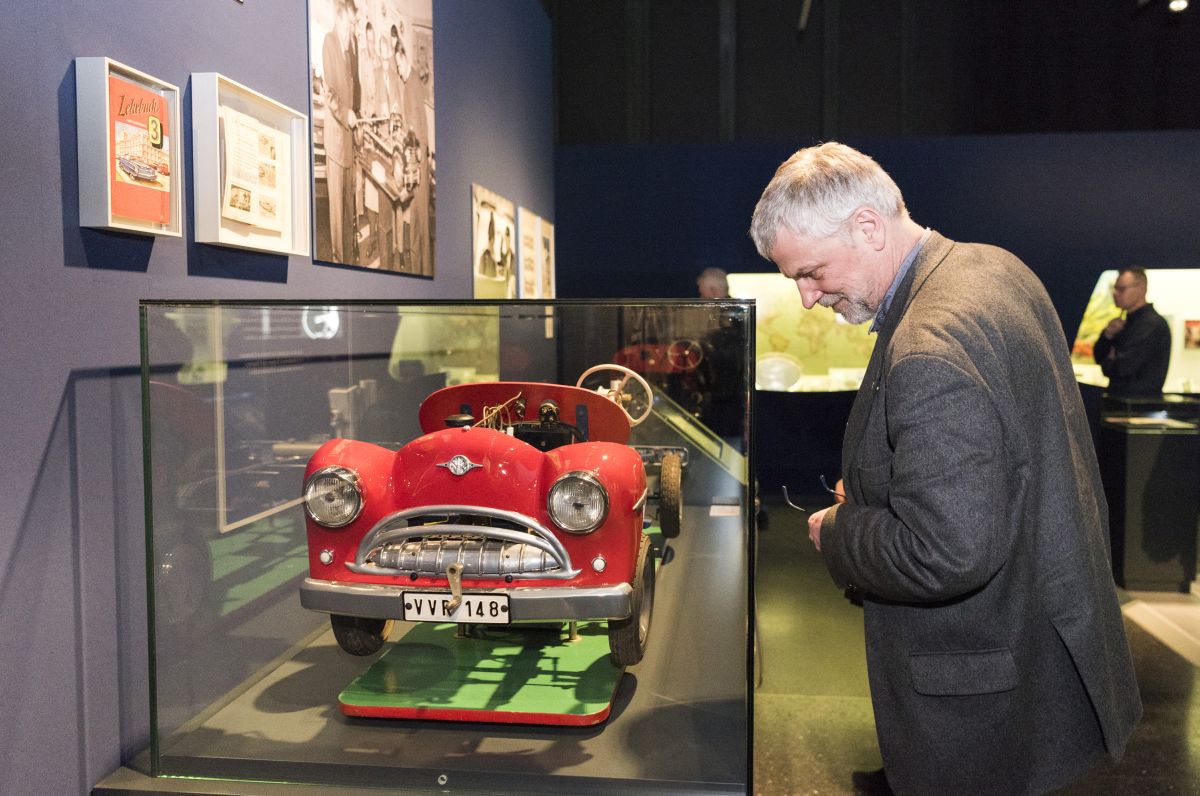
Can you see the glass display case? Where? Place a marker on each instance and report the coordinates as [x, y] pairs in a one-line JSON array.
[[1149, 451], [580, 541]]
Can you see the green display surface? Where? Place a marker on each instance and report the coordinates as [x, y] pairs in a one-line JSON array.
[[531, 674]]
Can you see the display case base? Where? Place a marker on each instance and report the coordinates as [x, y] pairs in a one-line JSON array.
[[523, 674]]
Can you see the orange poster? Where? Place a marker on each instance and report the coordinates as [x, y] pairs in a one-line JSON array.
[[140, 172]]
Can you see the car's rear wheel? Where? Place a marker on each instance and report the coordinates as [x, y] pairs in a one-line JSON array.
[[360, 635], [670, 495], [627, 637]]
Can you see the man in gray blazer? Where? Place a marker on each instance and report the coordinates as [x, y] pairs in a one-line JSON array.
[[975, 526]]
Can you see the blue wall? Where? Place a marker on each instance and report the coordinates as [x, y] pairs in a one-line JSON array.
[[72, 577], [643, 221]]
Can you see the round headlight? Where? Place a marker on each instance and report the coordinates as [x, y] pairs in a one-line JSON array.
[[332, 497], [577, 502]]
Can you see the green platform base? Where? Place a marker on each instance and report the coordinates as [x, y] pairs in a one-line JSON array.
[[520, 674]]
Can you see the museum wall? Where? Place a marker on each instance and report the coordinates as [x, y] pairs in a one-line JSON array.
[[72, 574]]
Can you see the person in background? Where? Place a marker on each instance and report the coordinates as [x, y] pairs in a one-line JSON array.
[[340, 119], [1134, 350], [487, 259], [712, 283], [975, 528]]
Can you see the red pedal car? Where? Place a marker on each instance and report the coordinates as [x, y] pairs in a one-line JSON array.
[[521, 501]]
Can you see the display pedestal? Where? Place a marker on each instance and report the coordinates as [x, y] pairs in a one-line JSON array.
[[1150, 477], [529, 674]]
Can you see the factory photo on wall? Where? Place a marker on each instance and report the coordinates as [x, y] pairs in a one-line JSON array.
[[371, 66]]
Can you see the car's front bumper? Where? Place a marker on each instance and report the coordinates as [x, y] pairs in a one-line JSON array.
[[387, 602]]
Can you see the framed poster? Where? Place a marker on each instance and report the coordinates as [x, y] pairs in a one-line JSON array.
[[493, 235], [536, 277], [373, 150], [130, 171], [250, 168]]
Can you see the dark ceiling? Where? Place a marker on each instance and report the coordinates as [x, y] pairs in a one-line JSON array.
[[691, 71]]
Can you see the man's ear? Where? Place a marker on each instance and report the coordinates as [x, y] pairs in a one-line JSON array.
[[870, 225]]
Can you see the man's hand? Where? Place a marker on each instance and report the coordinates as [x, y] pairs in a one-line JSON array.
[[814, 527], [1114, 328]]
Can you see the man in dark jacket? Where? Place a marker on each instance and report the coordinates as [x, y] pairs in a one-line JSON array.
[[975, 526], [1134, 351]]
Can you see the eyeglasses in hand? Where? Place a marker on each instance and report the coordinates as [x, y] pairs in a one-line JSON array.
[[824, 485]]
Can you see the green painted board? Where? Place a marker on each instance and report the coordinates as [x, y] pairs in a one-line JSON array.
[[513, 673]]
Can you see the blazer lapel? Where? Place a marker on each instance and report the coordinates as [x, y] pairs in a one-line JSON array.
[[932, 254]]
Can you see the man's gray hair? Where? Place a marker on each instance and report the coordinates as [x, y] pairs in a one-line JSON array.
[[815, 191]]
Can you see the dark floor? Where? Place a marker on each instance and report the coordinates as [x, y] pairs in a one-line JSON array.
[[813, 721]]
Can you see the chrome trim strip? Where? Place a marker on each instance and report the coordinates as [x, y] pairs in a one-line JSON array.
[[387, 602]]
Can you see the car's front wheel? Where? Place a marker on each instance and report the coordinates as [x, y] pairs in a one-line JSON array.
[[627, 637], [360, 635]]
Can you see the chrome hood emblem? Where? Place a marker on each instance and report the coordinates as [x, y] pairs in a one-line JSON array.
[[459, 465]]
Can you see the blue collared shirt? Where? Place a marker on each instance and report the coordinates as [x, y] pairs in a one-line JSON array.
[[905, 264]]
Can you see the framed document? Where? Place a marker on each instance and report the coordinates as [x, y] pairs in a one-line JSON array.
[[250, 176], [536, 255], [529, 231], [129, 143]]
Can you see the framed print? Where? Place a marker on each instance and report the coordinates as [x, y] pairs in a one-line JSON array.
[[494, 244], [250, 168], [373, 150], [129, 145], [529, 228], [546, 261], [536, 277]]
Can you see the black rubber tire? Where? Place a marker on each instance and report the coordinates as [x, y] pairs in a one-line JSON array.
[[670, 495], [359, 635], [628, 637]]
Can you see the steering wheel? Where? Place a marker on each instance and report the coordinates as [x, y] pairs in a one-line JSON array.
[[615, 390], [685, 355]]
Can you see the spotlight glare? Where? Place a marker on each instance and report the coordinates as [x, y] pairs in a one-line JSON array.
[[1178, 5]]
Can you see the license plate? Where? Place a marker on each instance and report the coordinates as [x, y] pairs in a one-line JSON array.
[[485, 609]]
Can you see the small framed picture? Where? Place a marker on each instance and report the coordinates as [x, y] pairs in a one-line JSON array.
[[250, 168], [130, 145], [536, 255], [493, 230]]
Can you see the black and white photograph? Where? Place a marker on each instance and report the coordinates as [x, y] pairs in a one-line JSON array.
[[373, 133], [494, 236]]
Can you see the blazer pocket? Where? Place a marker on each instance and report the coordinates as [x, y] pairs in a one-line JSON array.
[[963, 673], [874, 483]]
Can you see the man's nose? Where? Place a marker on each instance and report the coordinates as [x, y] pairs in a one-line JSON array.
[[809, 295]]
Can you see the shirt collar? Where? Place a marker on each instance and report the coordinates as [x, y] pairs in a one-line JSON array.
[[905, 264]]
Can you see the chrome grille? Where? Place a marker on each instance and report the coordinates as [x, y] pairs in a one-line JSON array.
[[479, 557], [488, 543]]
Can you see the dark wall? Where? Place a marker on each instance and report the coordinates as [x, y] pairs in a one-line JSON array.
[[644, 220], [72, 572], [680, 71]]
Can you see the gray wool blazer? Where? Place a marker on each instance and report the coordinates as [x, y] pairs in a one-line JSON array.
[[976, 530]]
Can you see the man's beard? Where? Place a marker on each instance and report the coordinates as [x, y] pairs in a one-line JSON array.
[[855, 310]]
